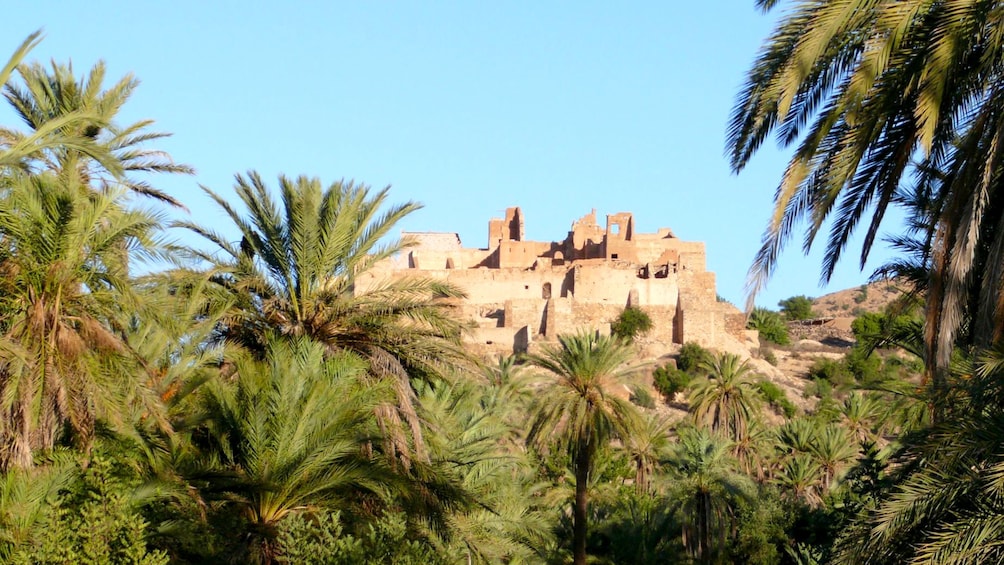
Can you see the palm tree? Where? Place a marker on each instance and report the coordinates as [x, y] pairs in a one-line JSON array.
[[578, 408], [48, 137], [24, 497], [63, 290], [709, 490], [508, 394], [294, 272], [861, 414], [754, 450], [289, 430], [471, 443], [48, 97], [833, 450], [800, 477], [945, 504], [648, 446], [798, 436], [727, 398], [874, 91]]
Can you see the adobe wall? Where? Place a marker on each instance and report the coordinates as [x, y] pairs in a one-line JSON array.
[[523, 292]]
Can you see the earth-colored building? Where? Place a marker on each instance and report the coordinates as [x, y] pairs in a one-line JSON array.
[[520, 291]]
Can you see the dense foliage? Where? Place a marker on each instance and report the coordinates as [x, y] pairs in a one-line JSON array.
[[261, 399], [770, 324], [631, 323], [796, 308]]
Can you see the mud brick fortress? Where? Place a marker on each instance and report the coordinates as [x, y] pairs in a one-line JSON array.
[[520, 292]]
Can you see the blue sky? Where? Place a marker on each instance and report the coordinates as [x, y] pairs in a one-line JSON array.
[[467, 107]]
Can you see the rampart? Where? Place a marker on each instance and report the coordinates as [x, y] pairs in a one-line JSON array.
[[520, 292]]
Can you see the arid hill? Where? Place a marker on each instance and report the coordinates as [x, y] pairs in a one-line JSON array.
[[851, 302]]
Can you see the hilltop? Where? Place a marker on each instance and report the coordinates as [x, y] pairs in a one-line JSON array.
[[871, 297]]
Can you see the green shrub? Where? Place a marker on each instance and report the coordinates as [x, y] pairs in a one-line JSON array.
[[641, 397], [631, 323], [865, 366], [832, 371], [796, 307], [770, 324], [691, 356], [868, 326], [669, 381], [94, 522], [776, 398], [321, 540], [819, 388], [770, 391]]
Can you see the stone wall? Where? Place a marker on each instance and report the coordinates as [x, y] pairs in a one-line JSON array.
[[521, 293]]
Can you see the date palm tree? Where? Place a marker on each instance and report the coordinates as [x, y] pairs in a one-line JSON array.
[[52, 102], [294, 272], [16, 152], [834, 449], [945, 503], [647, 446], [727, 398], [288, 431], [873, 92], [471, 443], [63, 291], [582, 404], [709, 489]]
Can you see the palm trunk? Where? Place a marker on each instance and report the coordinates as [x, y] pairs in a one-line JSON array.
[[583, 460]]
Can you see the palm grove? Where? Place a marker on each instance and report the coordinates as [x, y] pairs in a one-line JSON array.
[[245, 405]]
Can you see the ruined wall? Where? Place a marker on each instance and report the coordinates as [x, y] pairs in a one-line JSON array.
[[523, 292]]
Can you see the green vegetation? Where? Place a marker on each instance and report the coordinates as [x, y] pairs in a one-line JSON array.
[[631, 323], [878, 100], [254, 401], [669, 381], [770, 324], [776, 398], [691, 356], [796, 308], [640, 396]]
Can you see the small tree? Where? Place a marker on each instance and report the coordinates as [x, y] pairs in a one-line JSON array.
[[796, 308], [669, 381], [631, 323], [691, 357]]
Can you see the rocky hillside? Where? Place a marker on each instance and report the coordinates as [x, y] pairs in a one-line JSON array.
[[851, 302]]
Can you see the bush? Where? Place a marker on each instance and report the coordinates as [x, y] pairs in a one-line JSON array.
[[776, 398], [796, 307], [669, 381], [320, 539], [831, 371], [691, 356], [819, 388], [94, 522], [865, 366], [641, 397], [868, 326], [770, 324], [631, 323]]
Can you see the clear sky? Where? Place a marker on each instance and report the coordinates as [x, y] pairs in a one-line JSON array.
[[467, 107]]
